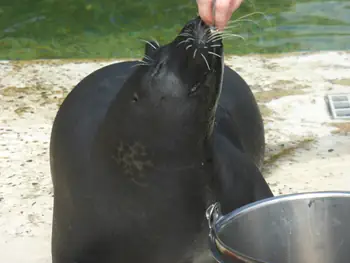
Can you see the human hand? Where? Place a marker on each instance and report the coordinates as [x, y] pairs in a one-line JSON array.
[[223, 11]]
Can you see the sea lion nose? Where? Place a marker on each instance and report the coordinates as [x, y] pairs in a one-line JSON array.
[[200, 23], [196, 24], [196, 35]]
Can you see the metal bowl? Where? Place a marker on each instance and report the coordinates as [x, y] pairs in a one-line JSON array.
[[297, 228]]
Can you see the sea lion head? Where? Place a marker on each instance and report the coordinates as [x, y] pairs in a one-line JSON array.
[[177, 85], [194, 57]]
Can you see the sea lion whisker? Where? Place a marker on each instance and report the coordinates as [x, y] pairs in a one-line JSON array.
[[213, 35], [230, 36], [187, 40], [138, 183], [210, 39], [229, 28], [225, 36], [155, 40], [142, 63], [149, 43], [208, 31], [216, 38], [148, 57], [194, 53], [183, 41], [213, 53], [235, 22], [218, 34], [240, 19], [137, 65], [206, 61], [190, 45], [188, 31], [185, 35], [251, 14], [215, 45], [233, 35]]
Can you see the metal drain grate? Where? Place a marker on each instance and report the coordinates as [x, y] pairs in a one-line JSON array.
[[339, 105]]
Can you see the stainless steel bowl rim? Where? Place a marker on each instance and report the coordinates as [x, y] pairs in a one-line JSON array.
[[221, 220]]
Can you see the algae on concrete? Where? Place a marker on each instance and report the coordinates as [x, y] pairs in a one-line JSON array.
[[342, 128], [266, 96], [288, 150], [43, 95], [344, 82]]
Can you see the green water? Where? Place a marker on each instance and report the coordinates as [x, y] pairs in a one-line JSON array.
[[34, 29]]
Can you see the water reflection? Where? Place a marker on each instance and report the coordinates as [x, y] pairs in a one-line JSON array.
[[31, 29], [314, 26]]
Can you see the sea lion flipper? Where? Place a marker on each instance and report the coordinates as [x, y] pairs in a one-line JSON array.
[[239, 179]]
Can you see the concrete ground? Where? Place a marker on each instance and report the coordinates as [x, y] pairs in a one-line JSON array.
[[306, 149]]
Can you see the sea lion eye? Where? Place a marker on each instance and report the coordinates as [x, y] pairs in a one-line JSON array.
[[135, 97], [194, 89], [196, 86]]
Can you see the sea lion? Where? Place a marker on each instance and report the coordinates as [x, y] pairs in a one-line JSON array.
[[138, 152]]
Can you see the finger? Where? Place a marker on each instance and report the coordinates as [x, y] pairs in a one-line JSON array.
[[224, 12], [235, 5], [205, 11]]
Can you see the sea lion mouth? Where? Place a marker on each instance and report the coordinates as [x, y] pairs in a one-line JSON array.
[[200, 41], [203, 49]]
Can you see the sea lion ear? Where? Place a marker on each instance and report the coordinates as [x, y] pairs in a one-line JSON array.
[[150, 48]]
